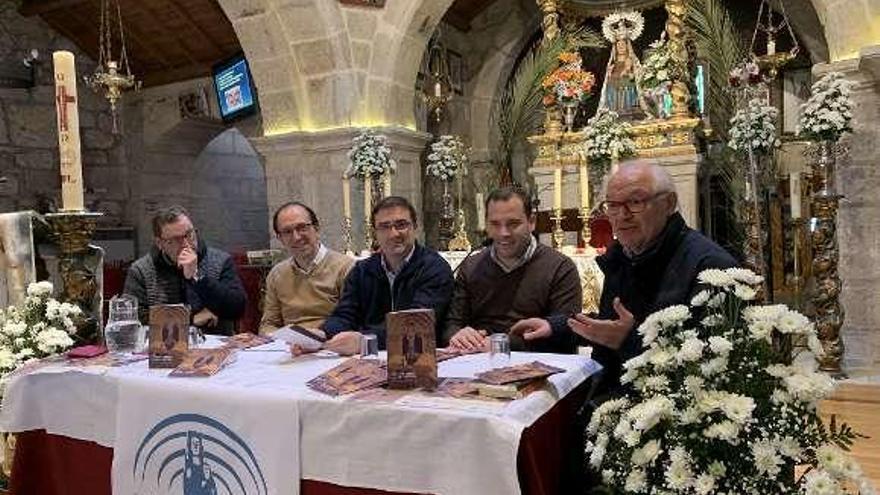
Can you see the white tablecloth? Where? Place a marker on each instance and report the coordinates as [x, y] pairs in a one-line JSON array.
[[418, 443]]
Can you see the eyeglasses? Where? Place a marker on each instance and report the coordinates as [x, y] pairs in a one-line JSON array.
[[189, 235], [300, 228], [633, 206], [398, 225]]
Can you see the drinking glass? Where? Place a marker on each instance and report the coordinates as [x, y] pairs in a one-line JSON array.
[[369, 346], [499, 350]]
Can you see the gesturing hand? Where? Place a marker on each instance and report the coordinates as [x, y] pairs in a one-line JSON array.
[[531, 328], [188, 262], [610, 333]]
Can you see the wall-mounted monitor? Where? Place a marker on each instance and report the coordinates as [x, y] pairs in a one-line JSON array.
[[234, 87]]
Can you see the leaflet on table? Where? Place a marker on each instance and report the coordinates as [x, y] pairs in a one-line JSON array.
[[204, 362], [350, 376], [246, 340], [296, 335]]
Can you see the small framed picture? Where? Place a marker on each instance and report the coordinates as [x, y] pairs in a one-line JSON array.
[[456, 71], [796, 88]]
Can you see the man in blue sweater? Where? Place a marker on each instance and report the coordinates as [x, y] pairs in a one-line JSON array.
[[402, 275]]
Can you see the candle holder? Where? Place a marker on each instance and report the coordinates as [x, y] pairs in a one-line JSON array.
[[346, 235], [460, 242], [80, 266], [585, 227], [558, 233]]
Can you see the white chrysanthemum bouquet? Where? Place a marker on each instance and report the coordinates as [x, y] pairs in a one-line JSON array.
[[827, 115], [714, 408], [447, 158], [754, 126], [657, 70], [370, 155], [38, 327], [606, 135]]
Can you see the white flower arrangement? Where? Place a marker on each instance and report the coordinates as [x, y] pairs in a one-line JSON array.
[[370, 154], [657, 70], [606, 135], [754, 126], [715, 409], [827, 115], [38, 327], [448, 158]]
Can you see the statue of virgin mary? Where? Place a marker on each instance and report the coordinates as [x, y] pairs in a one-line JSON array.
[[620, 91]]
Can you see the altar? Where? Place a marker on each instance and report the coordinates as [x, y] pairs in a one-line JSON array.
[[73, 421]]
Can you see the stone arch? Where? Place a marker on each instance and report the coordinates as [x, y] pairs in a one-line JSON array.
[[848, 25]]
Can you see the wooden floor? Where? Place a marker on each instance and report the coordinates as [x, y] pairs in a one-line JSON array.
[[858, 404]]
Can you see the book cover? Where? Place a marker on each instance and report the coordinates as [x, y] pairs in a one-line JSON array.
[[169, 335], [519, 372], [203, 362], [246, 340], [350, 376], [412, 348]]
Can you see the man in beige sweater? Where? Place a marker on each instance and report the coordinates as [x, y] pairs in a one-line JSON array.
[[303, 289]]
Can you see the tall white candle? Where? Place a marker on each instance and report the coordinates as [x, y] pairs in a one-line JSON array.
[[481, 212], [387, 184], [771, 47], [68, 131], [794, 188], [368, 203], [584, 177], [557, 188], [346, 197]]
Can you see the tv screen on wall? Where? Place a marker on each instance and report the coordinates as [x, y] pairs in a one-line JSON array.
[[233, 85]]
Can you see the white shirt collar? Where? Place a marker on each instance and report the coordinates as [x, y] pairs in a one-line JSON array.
[[319, 257], [390, 274], [526, 256]]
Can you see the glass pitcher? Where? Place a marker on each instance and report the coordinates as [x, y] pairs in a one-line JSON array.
[[123, 331]]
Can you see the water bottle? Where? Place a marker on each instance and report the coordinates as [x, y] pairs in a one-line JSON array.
[[123, 331]]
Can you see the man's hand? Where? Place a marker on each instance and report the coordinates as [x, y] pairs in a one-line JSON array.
[[531, 329], [469, 339], [610, 333], [188, 262], [345, 343], [205, 318]]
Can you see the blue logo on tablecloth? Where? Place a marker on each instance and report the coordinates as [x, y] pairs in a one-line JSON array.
[[191, 454]]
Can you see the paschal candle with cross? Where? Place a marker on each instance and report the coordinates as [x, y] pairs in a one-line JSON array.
[[68, 132]]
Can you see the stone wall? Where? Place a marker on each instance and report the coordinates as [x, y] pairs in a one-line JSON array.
[[28, 136]]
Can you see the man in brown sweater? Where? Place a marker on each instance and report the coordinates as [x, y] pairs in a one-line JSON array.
[[516, 285], [303, 289]]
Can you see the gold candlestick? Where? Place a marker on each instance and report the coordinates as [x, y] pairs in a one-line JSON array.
[[558, 233], [346, 235], [585, 228]]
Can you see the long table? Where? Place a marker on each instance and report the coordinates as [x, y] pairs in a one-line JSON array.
[[67, 423]]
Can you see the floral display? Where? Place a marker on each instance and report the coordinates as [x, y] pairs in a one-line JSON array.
[[715, 408], [38, 327], [370, 154], [745, 74], [606, 135], [569, 84], [657, 70], [754, 127], [827, 115], [447, 157]]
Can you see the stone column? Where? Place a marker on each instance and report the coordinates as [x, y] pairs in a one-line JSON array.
[[308, 167], [858, 221]]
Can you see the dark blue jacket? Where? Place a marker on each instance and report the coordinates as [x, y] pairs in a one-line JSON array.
[[424, 282], [663, 276]]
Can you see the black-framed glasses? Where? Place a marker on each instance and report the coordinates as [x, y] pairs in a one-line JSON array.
[[633, 205], [189, 235], [398, 225], [300, 228]]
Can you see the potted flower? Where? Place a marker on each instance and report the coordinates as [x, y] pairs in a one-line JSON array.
[[568, 85], [370, 157], [655, 78], [715, 408]]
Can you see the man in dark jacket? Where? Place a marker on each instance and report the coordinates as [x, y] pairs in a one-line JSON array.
[[402, 275], [181, 270], [654, 263]]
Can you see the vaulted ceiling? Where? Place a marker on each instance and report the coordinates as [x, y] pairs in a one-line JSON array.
[[167, 40]]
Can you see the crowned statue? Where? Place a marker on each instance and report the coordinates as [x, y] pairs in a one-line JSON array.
[[620, 91]]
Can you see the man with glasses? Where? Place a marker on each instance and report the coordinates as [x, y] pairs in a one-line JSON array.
[[180, 269], [654, 263], [515, 286], [402, 275], [303, 289]]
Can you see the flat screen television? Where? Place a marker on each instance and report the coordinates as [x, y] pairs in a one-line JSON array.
[[234, 87]]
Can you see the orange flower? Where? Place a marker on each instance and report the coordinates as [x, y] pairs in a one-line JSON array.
[[569, 57]]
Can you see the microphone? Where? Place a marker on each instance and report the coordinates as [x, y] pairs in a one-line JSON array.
[[486, 243]]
